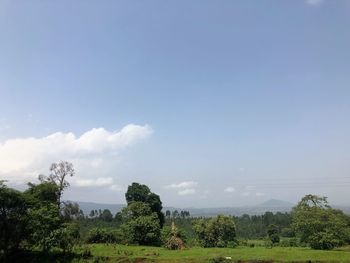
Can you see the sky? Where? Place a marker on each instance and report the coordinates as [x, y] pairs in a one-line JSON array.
[[209, 103]]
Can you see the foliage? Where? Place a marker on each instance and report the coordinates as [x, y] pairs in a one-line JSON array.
[[58, 173], [44, 223], [32, 219], [13, 218], [45, 192], [256, 226], [142, 218], [134, 210], [273, 234], [104, 235], [173, 238], [215, 232], [141, 193], [318, 224], [106, 215], [71, 211], [143, 230], [166, 232]]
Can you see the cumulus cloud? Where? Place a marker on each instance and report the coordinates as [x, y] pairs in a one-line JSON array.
[[229, 189], [22, 159], [189, 191], [314, 2], [183, 185], [100, 181], [184, 188]]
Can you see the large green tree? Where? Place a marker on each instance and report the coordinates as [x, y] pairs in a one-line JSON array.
[[32, 219], [141, 193], [141, 224], [13, 218], [142, 218], [319, 225]]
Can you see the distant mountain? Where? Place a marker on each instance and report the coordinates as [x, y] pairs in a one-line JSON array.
[[272, 205], [275, 203]]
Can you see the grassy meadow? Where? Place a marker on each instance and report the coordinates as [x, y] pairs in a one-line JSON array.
[[123, 253]]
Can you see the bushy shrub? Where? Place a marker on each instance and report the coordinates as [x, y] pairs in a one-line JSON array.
[[289, 242], [85, 252], [233, 244], [324, 240], [287, 232], [215, 232], [102, 235]]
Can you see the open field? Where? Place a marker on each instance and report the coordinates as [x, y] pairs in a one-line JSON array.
[[121, 253]]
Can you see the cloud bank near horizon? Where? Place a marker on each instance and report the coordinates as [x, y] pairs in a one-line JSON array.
[[23, 159]]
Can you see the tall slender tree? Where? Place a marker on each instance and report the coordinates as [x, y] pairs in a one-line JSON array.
[[58, 174]]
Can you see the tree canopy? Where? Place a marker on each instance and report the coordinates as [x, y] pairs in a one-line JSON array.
[[319, 225], [141, 193], [216, 232]]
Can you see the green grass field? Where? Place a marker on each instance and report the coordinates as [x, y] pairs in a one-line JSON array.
[[122, 253]]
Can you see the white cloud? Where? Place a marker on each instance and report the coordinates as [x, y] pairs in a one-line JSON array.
[[184, 188], [229, 189], [22, 159], [116, 188], [314, 2], [100, 181], [182, 185], [189, 191]]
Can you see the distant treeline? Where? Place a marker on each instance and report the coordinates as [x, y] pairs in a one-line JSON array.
[[37, 220]]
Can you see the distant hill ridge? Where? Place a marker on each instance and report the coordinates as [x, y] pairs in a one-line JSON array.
[[276, 203], [272, 205]]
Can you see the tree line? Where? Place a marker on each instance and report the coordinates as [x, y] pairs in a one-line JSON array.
[[38, 220]]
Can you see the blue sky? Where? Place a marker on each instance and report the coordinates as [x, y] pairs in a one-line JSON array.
[[210, 103]]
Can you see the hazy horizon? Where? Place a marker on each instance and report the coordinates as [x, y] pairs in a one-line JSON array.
[[209, 104]]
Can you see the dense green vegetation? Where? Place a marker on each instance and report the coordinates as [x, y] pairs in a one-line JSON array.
[[37, 226]]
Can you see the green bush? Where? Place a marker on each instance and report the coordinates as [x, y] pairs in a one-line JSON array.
[[216, 231], [233, 244], [287, 232], [324, 240], [289, 242], [103, 235]]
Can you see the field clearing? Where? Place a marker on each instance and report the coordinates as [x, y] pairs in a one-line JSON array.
[[122, 253]]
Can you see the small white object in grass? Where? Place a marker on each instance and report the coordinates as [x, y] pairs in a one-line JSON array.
[[228, 258]]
